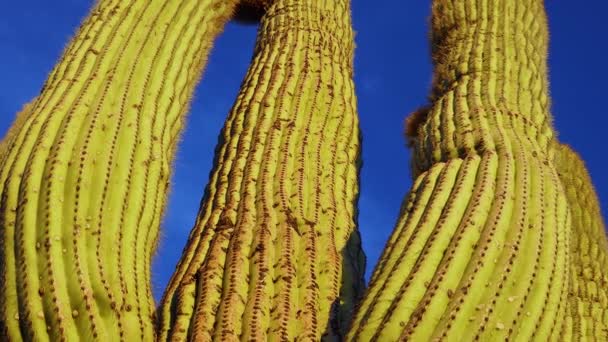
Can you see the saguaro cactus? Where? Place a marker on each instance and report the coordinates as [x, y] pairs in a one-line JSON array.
[[14, 129], [587, 306], [275, 253], [480, 251], [84, 172]]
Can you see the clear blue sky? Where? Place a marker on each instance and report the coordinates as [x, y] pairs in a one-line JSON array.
[[392, 76]]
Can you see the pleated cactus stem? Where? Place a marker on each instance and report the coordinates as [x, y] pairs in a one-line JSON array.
[[275, 253], [84, 173], [9, 137], [480, 250], [587, 306]]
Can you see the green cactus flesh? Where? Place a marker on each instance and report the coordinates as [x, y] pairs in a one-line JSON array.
[[275, 253], [500, 237], [480, 251], [587, 305], [84, 172], [16, 126]]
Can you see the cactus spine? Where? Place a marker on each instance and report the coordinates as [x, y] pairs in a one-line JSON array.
[[480, 251], [587, 305], [83, 175], [274, 253]]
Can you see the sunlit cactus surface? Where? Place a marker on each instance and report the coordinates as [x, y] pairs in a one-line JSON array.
[[85, 169], [587, 306], [483, 249], [500, 237], [274, 254]]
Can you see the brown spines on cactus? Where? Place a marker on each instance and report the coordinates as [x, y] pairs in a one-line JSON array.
[[15, 127], [275, 253], [587, 305], [413, 123], [83, 177], [481, 247]]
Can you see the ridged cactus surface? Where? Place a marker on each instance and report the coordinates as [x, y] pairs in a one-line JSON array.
[[274, 253], [587, 306], [480, 251], [84, 172], [501, 236]]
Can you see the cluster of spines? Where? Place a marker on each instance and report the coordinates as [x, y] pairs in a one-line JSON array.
[[480, 251], [79, 218], [275, 253], [587, 305], [14, 129]]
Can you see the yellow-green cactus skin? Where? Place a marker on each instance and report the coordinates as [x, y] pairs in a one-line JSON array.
[[15, 127], [84, 172], [587, 306], [481, 248], [274, 253]]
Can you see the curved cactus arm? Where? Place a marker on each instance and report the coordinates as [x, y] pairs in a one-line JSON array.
[[480, 251], [274, 253], [83, 176], [587, 313]]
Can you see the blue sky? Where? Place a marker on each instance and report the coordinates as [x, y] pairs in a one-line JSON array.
[[392, 76]]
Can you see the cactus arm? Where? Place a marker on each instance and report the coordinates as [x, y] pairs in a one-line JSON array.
[[481, 248], [84, 174], [587, 313], [274, 253]]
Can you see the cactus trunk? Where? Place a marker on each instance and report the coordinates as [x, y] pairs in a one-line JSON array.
[[480, 251], [587, 305], [274, 253], [84, 172]]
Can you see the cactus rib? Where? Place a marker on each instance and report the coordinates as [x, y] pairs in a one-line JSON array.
[[84, 174], [587, 304], [275, 253], [480, 251]]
